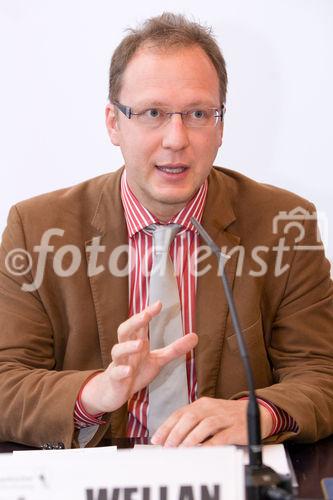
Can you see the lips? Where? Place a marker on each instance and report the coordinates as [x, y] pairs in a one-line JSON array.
[[172, 168]]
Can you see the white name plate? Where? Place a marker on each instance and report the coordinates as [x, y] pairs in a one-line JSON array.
[[215, 473], [18, 482]]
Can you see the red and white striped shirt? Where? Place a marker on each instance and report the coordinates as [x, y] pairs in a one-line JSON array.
[[182, 248]]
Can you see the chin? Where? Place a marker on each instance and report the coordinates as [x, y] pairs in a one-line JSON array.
[[174, 200]]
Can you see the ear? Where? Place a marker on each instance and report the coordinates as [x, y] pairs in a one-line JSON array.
[[221, 134], [112, 124]]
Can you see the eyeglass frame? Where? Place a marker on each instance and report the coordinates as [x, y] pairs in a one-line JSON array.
[[127, 111]]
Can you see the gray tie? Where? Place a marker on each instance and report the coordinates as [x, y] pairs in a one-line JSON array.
[[168, 391]]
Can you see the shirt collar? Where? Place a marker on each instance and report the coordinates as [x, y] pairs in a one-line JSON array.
[[138, 217]]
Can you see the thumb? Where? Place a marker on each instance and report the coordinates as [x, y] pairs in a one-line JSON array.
[[176, 349]]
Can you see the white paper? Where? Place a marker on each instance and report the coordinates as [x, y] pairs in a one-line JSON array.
[[45, 454], [274, 456]]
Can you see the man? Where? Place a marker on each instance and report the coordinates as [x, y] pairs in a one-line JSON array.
[[76, 363]]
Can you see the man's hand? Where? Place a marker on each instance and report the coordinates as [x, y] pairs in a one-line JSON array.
[[133, 365], [211, 422]]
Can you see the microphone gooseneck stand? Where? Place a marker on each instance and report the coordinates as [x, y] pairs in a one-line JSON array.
[[261, 481]]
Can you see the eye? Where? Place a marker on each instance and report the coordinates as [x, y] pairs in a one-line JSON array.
[[198, 114], [152, 113]]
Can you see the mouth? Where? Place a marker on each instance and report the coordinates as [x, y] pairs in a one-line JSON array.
[[172, 168]]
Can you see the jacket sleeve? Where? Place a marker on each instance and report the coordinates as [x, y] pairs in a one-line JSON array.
[[36, 399], [301, 345]]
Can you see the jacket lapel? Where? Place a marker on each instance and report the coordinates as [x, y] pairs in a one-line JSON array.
[[211, 304], [109, 289]]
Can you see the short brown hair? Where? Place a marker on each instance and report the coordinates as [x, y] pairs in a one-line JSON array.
[[164, 32]]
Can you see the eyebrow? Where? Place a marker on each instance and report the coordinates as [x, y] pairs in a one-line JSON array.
[[162, 104]]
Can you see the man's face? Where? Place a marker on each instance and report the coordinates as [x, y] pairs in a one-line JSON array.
[[178, 80]]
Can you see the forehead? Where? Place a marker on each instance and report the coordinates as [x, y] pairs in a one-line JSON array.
[[182, 75]]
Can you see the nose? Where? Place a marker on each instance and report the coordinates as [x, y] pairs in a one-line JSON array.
[[175, 134]]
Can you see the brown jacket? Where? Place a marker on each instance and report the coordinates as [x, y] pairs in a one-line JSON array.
[[51, 339]]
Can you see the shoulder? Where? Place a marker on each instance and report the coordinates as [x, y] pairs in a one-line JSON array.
[[83, 192], [80, 200], [248, 194], [259, 212], [71, 209]]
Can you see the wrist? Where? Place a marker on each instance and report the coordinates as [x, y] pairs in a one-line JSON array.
[[88, 395], [267, 417], [266, 421]]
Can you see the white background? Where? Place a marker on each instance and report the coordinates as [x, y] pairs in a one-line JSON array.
[[54, 69]]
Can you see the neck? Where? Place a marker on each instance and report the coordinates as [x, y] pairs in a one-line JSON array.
[[164, 212], [165, 216], [161, 211]]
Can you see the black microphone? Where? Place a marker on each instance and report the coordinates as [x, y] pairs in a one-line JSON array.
[[261, 481]]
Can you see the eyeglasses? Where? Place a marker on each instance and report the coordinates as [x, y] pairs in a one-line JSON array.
[[155, 117]]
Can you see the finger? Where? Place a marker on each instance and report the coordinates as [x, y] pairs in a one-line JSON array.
[[129, 329], [162, 433], [149, 313], [184, 427], [206, 429], [227, 436], [176, 349], [214, 441], [125, 349]]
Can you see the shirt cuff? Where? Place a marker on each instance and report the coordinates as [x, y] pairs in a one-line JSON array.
[[81, 417], [282, 421]]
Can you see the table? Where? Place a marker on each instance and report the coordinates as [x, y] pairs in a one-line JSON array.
[[311, 462]]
